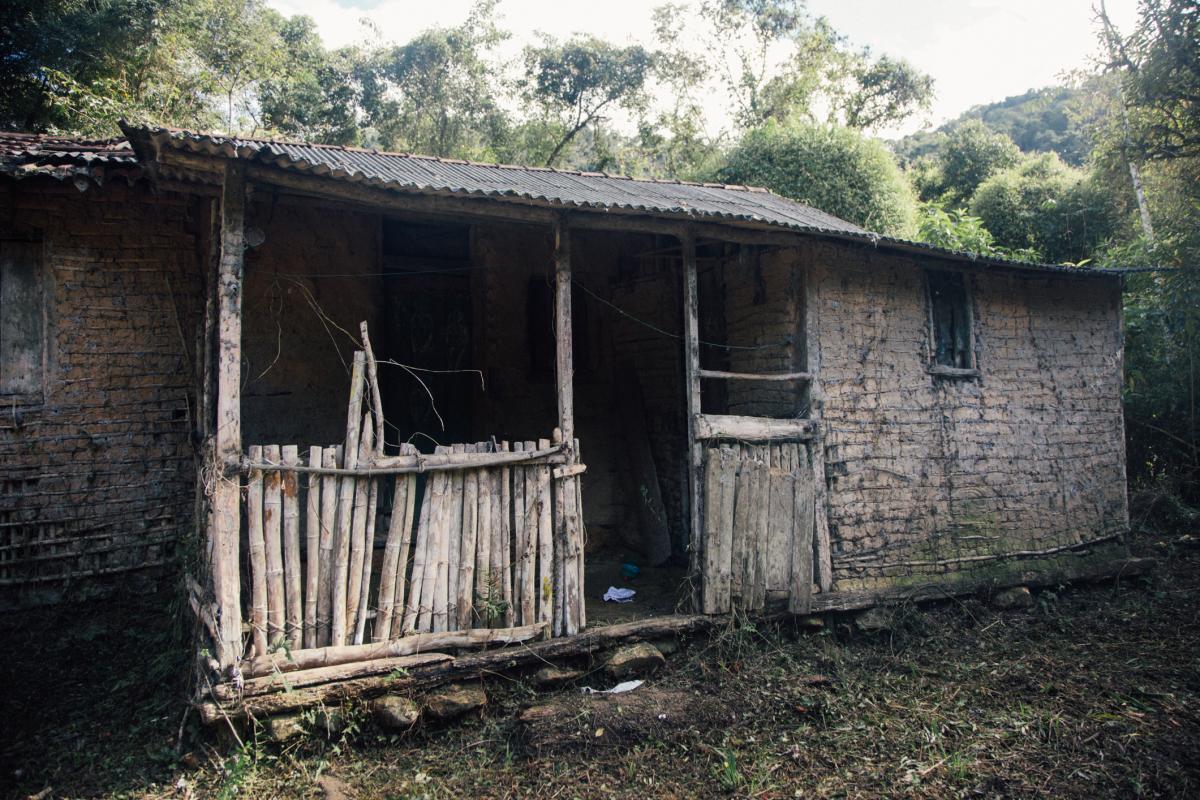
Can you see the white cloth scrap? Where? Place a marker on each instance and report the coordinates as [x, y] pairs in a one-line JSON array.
[[615, 595], [620, 688]]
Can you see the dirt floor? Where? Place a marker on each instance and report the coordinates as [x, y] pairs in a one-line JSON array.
[[1092, 692]]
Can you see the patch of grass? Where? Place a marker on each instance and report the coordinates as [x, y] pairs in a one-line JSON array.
[[1091, 693]]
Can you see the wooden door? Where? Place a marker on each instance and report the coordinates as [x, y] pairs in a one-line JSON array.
[[757, 525]]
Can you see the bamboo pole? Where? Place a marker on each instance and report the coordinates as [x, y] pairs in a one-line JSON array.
[[364, 596], [543, 487], [301, 679], [258, 558], [454, 540], [358, 530], [439, 526], [341, 569], [312, 550], [330, 457], [376, 397], [483, 544], [294, 616], [272, 531], [464, 601], [225, 520], [395, 557], [502, 552], [524, 548], [421, 463], [421, 556]]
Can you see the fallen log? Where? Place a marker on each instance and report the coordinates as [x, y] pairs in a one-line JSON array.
[[430, 674], [289, 682]]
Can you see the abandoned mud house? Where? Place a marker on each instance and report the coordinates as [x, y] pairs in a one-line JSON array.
[[371, 399]]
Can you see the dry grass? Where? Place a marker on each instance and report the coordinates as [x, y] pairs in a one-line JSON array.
[[1095, 692]]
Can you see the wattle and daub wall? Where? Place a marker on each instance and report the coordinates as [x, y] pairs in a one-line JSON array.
[[928, 476], [96, 468]]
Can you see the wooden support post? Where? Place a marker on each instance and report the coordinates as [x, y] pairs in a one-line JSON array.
[[226, 496], [564, 358], [691, 378], [822, 547]]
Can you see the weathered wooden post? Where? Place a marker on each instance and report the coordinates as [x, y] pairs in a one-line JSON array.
[[691, 382], [569, 618], [226, 512]]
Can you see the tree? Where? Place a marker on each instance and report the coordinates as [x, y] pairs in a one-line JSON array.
[[576, 82], [1044, 207], [971, 154], [834, 169]]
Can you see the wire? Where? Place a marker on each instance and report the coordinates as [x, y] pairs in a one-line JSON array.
[[782, 343]]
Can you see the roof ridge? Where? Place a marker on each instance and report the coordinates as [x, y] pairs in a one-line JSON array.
[[465, 162]]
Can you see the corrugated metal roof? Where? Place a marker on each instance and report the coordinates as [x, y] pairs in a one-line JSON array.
[[27, 154], [552, 186]]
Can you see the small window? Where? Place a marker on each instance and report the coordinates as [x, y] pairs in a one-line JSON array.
[[950, 319], [20, 318]]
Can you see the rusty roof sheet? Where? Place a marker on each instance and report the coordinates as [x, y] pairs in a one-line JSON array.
[[28, 154]]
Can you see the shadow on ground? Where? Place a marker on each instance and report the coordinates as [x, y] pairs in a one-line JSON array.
[[1092, 692]]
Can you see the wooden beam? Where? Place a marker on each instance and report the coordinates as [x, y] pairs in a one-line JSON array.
[[822, 546], [420, 462], [227, 451], [752, 429], [691, 383], [718, 374]]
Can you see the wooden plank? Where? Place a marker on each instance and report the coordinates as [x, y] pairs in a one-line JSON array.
[[756, 563], [256, 543], [823, 546], [712, 519], [730, 462], [346, 495], [330, 457], [580, 558], [781, 501], [800, 591], [572, 543], [442, 461], [292, 584], [691, 380], [743, 516], [752, 429], [545, 565], [358, 529], [312, 549], [225, 520], [793, 377]]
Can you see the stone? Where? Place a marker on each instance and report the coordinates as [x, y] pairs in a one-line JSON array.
[[875, 620], [284, 728], [329, 722], [454, 701], [634, 659], [1016, 597], [668, 647], [395, 713], [553, 677]]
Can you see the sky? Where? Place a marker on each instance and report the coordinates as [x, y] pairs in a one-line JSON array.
[[978, 51]]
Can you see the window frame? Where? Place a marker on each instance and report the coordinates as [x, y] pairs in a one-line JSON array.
[[933, 366], [36, 396]]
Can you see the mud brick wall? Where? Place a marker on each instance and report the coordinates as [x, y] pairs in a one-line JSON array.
[[932, 475], [314, 278], [96, 474]]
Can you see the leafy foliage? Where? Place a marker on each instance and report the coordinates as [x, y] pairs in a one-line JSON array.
[[971, 154], [834, 169]]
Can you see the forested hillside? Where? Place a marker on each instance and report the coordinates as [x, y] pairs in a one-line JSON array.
[[1104, 172]]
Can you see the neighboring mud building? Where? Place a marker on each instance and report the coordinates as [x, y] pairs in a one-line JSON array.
[[794, 410]]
